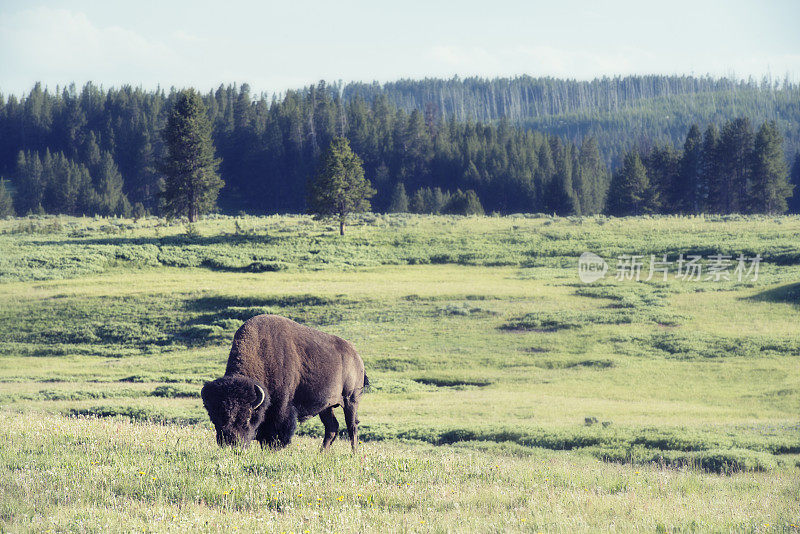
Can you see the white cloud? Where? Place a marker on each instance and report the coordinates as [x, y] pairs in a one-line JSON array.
[[539, 61], [460, 56], [545, 60], [58, 45], [183, 35]]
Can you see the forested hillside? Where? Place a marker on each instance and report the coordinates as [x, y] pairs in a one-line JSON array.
[[621, 112], [505, 145]]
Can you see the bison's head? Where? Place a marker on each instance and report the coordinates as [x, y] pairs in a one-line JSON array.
[[236, 405]]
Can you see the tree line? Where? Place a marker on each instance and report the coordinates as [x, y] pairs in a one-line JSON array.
[[734, 169], [102, 151], [269, 148]]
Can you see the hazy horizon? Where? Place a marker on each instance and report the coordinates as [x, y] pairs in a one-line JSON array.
[[277, 47]]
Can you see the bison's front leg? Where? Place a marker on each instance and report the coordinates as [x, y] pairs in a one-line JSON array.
[[331, 427], [278, 428], [350, 406]]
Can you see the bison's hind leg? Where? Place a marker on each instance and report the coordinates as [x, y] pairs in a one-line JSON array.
[[350, 406], [331, 427]]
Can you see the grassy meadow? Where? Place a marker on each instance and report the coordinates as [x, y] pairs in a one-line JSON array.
[[507, 395]]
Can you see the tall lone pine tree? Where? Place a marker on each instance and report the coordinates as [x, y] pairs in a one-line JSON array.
[[339, 187], [191, 183]]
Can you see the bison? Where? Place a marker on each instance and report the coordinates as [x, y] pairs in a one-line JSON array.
[[280, 372]]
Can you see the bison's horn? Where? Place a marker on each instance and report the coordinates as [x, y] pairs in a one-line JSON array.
[[263, 396]]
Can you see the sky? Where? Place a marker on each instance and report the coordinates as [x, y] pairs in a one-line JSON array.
[[275, 46]]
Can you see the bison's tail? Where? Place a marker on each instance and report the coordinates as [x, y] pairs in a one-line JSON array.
[[366, 383]]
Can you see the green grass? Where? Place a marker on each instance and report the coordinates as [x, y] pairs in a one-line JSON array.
[[506, 394], [112, 475]]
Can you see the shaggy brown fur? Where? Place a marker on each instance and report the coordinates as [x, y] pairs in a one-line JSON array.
[[303, 372]]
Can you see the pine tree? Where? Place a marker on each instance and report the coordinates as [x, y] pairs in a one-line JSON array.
[[579, 187], [339, 187], [662, 164], [794, 201], [431, 206], [735, 152], [710, 171], [30, 187], [630, 192], [111, 199], [439, 200], [91, 153], [472, 175], [416, 143], [138, 211], [594, 177], [560, 197], [191, 183], [399, 202], [418, 202], [87, 200], [689, 191], [381, 179], [769, 188], [47, 180], [543, 175], [473, 204], [6, 202]]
